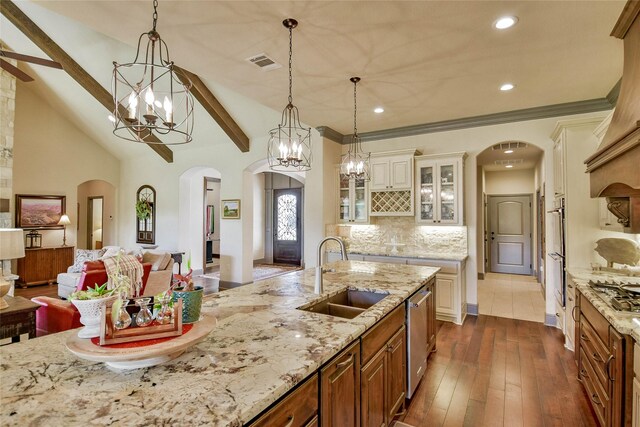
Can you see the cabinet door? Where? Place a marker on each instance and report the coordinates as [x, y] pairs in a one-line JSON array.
[[426, 192], [431, 317], [635, 420], [447, 194], [445, 295], [340, 390], [401, 176], [396, 376], [300, 408], [616, 373], [344, 205], [379, 174], [372, 392], [359, 201], [558, 166], [569, 318]]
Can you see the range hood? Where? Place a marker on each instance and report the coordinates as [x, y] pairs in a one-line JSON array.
[[615, 168]]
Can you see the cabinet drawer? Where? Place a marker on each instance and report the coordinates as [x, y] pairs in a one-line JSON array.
[[597, 321], [376, 337], [300, 408], [595, 350], [595, 393]]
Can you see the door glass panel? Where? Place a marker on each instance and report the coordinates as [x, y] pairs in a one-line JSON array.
[[447, 193], [426, 193], [344, 203], [510, 216], [287, 217], [360, 200]]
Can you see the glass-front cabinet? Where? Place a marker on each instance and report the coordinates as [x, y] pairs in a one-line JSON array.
[[353, 204], [439, 183]]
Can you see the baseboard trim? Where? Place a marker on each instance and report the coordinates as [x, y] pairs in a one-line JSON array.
[[550, 319], [480, 276], [230, 285], [472, 309]]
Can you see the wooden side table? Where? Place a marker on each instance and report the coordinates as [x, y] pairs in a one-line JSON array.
[[19, 318]]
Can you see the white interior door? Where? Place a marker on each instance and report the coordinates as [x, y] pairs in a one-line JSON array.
[[510, 234]]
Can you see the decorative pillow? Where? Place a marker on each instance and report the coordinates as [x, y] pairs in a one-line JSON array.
[[110, 251], [83, 255], [156, 259], [165, 261]]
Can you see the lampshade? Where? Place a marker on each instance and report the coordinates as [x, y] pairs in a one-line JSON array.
[[11, 243], [64, 220]]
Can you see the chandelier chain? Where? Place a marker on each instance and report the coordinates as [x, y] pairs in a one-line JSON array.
[[290, 64], [155, 14], [355, 109]]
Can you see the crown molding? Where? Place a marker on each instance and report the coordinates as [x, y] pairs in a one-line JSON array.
[[333, 135], [613, 94]]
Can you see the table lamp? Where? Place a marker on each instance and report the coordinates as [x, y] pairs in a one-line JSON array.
[[64, 221], [11, 247]]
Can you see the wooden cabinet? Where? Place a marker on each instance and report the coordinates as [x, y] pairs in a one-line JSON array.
[[439, 189], [635, 418], [383, 377], [391, 185], [431, 316], [340, 389], [606, 219], [298, 409], [42, 265], [605, 366], [353, 206]]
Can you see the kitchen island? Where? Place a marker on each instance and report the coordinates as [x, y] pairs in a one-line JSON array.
[[262, 347]]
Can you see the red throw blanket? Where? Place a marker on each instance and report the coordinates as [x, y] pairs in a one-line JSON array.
[[127, 267]]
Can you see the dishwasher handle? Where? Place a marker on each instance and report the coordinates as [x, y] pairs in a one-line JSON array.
[[419, 303]]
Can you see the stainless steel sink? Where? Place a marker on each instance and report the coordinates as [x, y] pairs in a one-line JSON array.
[[347, 304]]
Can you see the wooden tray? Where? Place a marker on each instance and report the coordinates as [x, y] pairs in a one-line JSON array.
[[142, 357], [110, 335]]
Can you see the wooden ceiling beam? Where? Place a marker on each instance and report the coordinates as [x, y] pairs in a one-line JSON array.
[[215, 109], [88, 83]]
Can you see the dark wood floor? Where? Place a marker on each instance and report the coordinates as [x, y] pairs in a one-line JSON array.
[[494, 371], [37, 291]]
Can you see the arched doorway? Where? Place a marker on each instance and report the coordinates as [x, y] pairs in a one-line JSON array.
[[95, 212]]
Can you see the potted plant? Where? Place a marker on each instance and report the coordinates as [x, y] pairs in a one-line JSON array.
[[183, 287], [143, 209], [89, 304]]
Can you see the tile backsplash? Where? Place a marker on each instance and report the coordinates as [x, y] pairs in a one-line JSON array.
[[373, 238]]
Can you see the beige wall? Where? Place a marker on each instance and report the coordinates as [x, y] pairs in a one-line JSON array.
[[53, 156], [258, 216], [510, 182], [97, 188]]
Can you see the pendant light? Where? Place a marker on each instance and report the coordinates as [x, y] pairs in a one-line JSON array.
[[289, 146], [149, 98], [356, 163]]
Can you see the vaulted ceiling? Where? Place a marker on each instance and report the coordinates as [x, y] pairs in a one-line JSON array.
[[423, 61]]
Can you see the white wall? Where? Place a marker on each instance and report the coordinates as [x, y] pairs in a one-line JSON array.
[[213, 199], [97, 188], [52, 156], [519, 181], [259, 217]]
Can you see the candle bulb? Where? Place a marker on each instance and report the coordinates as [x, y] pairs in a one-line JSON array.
[[133, 105], [300, 152], [149, 98], [168, 108]]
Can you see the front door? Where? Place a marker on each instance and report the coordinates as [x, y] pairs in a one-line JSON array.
[[287, 226], [510, 234]]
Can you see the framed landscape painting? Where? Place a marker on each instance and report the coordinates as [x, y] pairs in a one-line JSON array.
[[39, 211], [231, 209]]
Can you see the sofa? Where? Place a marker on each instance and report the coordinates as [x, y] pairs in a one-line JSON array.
[[56, 315], [159, 277]]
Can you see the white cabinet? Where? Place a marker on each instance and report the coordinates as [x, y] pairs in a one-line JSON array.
[[559, 153], [570, 313], [353, 203], [439, 189], [391, 185], [391, 172]]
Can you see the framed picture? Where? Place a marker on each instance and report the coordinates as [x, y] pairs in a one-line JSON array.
[[231, 209], [39, 211]]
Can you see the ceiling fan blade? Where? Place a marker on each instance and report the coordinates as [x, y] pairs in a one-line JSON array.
[[32, 59], [15, 71]]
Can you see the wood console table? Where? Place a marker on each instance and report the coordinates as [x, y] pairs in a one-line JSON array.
[[17, 319], [42, 265]]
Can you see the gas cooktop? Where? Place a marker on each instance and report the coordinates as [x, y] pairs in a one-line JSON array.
[[619, 294]]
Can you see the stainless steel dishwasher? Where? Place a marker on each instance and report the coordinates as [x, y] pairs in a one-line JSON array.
[[416, 338]]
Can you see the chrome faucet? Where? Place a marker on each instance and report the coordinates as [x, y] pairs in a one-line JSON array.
[[319, 288]]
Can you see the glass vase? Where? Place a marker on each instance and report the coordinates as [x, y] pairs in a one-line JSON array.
[[144, 316], [122, 319], [165, 314]]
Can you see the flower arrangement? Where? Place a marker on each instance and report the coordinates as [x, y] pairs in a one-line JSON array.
[[143, 209]]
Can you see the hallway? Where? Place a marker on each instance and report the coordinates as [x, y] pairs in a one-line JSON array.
[[512, 296], [494, 371]]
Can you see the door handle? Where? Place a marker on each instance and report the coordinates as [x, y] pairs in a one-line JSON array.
[[422, 300], [345, 363]]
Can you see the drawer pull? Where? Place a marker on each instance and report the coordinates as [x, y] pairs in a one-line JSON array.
[[595, 399], [345, 363], [583, 373], [290, 418], [583, 337], [606, 368], [573, 310], [597, 357]]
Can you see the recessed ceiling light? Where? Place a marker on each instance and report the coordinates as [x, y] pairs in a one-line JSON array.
[[507, 86], [378, 110], [508, 151], [506, 22], [509, 166]]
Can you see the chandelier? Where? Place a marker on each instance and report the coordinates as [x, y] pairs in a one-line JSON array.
[[290, 143], [355, 164], [149, 97]]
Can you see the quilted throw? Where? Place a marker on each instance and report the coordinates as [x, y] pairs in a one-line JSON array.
[[127, 266]]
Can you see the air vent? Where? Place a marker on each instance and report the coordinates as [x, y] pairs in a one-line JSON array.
[[509, 162], [263, 62], [510, 145]]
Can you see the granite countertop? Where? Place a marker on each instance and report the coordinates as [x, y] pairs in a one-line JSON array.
[[621, 321], [262, 347], [408, 253]]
